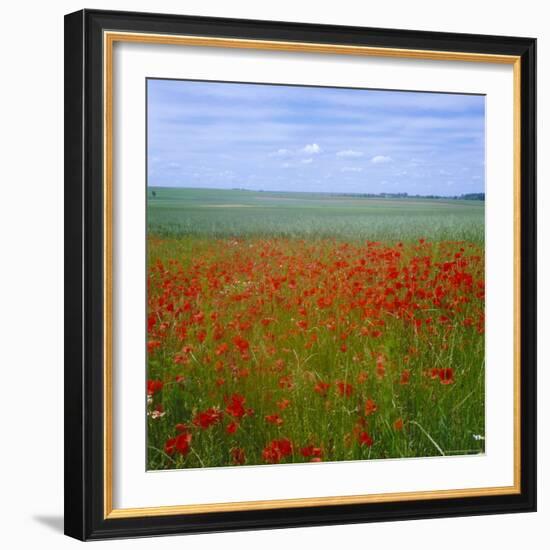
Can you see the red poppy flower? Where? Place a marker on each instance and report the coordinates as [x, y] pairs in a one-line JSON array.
[[405, 377], [170, 446], [434, 373], [370, 407], [183, 443], [283, 404], [274, 419], [180, 443], [277, 450], [207, 418], [322, 388], [152, 345], [235, 406], [324, 302], [446, 376], [398, 424], [345, 390], [311, 452], [241, 344], [151, 322], [232, 428], [221, 349], [365, 439], [154, 386], [286, 382], [198, 317]]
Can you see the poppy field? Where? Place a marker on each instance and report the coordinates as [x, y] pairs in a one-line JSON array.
[[285, 328]]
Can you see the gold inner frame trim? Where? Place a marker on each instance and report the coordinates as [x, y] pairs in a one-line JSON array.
[[109, 39]]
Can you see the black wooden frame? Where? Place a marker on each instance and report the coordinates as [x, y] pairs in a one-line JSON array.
[[84, 518]]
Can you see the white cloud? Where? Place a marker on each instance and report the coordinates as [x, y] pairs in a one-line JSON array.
[[312, 148], [307, 161], [349, 153], [380, 159], [351, 169]]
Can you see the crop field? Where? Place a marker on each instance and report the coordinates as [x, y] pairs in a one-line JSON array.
[[225, 213], [299, 327]]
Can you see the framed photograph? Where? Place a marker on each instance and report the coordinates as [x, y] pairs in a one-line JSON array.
[[300, 274]]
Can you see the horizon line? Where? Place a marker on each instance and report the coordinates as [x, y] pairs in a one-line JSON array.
[[344, 193]]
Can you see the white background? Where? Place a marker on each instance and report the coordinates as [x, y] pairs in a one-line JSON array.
[[31, 319]]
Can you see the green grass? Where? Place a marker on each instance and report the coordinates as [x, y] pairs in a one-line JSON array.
[[237, 213], [208, 285]]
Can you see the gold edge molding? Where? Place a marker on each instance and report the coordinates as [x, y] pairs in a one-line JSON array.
[[108, 275], [109, 38], [305, 502], [306, 47]]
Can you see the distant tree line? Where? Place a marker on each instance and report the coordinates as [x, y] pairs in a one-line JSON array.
[[472, 197], [463, 197]]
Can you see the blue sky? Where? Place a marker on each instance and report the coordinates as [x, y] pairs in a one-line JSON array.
[[295, 138]]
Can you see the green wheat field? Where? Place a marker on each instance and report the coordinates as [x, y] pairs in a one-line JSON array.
[[301, 327]]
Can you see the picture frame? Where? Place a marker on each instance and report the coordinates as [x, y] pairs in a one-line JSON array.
[[90, 253]]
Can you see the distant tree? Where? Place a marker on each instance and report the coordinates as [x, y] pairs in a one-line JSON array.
[[473, 196], [153, 193]]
